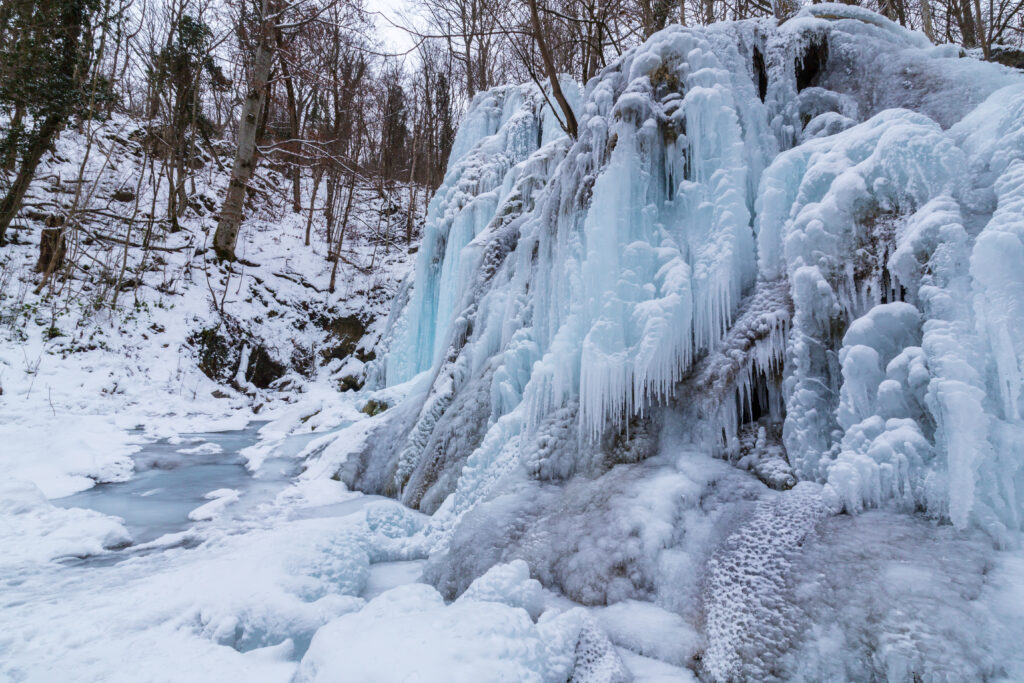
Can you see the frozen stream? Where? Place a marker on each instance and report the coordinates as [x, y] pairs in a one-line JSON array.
[[229, 572], [195, 478], [173, 479]]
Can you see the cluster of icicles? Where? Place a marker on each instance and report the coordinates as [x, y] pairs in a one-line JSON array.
[[718, 173]]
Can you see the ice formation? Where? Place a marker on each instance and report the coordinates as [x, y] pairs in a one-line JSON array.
[[769, 230]]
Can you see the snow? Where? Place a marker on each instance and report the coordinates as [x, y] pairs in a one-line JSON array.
[[207, 448], [510, 584], [63, 459], [648, 630], [168, 604], [408, 633], [219, 500], [34, 531]]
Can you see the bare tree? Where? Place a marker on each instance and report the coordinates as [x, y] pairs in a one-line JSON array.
[[230, 222]]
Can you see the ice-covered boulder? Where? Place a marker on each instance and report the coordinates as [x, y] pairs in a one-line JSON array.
[[408, 633]]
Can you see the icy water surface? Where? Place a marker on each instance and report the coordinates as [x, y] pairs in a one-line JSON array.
[[173, 479]]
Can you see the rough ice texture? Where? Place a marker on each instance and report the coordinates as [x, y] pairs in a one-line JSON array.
[[748, 613], [884, 596], [596, 659], [631, 534], [597, 541]]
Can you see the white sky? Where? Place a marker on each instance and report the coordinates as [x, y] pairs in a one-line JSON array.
[[399, 12]]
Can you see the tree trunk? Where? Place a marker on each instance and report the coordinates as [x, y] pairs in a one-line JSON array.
[[926, 20], [225, 238], [979, 25], [594, 45], [410, 218], [51, 250], [965, 18], [72, 20], [317, 175], [569, 124], [293, 118], [13, 137], [341, 236], [11, 203], [329, 214]]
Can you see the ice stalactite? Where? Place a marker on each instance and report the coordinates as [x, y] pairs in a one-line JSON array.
[[915, 391], [503, 127], [828, 211], [740, 381]]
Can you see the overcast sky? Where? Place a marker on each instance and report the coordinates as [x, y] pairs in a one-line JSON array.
[[394, 12]]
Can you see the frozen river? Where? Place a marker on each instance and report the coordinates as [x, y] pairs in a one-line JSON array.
[[173, 479], [225, 558]]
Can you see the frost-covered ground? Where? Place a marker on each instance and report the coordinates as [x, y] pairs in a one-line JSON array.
[[728, 388]]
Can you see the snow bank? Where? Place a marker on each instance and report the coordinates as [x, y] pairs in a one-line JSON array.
[[68, 455], [408, 633], [33, 531]]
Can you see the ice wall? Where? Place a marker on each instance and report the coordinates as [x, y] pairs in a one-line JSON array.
[[814, 229]]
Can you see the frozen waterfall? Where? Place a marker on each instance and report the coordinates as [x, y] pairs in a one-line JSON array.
[[761, 229]]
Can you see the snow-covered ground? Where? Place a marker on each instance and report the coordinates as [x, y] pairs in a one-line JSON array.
[[279, 579]]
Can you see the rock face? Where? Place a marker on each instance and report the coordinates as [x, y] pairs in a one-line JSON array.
[[223, 349], [345, 333], [1008, 57]]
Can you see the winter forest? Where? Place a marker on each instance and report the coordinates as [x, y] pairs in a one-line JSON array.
[[584, 341]]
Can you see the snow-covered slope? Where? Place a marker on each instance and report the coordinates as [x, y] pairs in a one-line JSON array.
[[148, 332]]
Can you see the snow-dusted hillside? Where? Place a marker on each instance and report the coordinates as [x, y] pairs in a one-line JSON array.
[[154, 337]]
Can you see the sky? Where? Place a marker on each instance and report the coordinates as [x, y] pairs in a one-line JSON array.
[[387, 14]]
